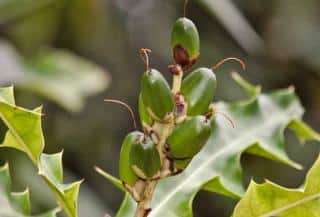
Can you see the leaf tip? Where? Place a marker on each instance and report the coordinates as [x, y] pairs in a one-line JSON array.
[[252, 90], [98, 169], [295, 165], [291, 88], [299, 167]]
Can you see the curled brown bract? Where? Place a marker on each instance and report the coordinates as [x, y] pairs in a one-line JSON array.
[[119, 102], [144, 55], [221, 62]]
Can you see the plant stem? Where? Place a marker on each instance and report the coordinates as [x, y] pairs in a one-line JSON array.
[[177, 78], [144, 206], [163, 131]]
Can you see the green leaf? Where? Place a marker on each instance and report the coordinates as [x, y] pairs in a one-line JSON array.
[[128, 207], [251, 90], [15, 204], [51, 170], [21, 201], [116, 182], [303, 131], [269, 199], [6, 95], [260, 123], [25, 132]]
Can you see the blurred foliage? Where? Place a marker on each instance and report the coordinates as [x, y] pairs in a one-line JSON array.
[[63, 78], [110, 32], [58, 75]]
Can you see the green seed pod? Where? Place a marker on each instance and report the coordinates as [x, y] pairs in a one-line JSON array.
[[145, 158], [145, 118], [126, 173], [189, 137], [185, 42], [156, 94], [199, 88], [181, 164]]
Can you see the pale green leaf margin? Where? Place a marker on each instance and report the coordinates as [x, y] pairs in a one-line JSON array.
[[25, 134]]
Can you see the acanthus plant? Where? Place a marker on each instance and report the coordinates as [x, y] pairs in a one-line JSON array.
[[184, 145], [177, 123]]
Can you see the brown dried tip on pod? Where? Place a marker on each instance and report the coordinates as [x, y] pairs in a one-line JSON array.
[[221, 62], [185, 42]]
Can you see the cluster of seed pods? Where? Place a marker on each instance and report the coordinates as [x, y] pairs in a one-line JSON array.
[[175, 120]]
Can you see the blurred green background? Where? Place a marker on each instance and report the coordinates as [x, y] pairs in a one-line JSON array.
[[71, 54]]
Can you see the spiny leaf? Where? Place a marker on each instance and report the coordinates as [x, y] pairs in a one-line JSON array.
[[51, 170], [6, 95], [21, 201], [25, 133], [15, 204], [260, 122], [269, 199], [303, 131]]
